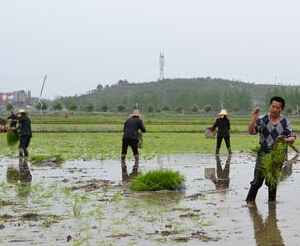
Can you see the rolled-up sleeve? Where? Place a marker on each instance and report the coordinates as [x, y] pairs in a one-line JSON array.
[[258, 126]]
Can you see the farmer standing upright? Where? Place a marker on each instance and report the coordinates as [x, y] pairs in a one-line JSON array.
[[223, 125], [13, 119], [269, 127], [25, 132], [130, 138]]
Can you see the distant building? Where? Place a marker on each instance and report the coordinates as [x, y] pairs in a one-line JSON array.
[[18, 99]]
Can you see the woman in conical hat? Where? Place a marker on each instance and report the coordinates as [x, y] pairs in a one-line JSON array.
[[136, 112], [223, 125], [223, 113]]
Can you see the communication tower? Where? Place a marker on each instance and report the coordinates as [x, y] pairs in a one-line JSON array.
[[161, 65], [161, 79]]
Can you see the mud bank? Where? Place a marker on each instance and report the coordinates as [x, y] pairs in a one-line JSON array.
[[88, 203]]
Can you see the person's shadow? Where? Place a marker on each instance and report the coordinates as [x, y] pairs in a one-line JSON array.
[[222, 180], [265, 232], [20, 177]]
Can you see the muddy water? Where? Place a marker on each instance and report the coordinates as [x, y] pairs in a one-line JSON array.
[[88, 203]]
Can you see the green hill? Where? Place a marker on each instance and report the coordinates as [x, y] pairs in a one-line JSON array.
[[187, 95]]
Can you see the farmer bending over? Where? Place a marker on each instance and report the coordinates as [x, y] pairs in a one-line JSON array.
[[269, 127], [130, 138]]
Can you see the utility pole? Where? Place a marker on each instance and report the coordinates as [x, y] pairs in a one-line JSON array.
[[40, 98]]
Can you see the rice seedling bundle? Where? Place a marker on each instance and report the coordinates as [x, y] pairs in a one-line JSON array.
[[12, 137], [272, 164], [209, 133], [157, 180]]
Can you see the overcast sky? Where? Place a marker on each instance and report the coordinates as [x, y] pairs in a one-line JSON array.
[[79, 44]]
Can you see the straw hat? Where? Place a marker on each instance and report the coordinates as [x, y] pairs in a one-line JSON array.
[[223, 112], [22, 111], [136, 112]]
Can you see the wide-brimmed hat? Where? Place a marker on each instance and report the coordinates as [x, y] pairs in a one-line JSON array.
[[223, 112], [136, 112], [22, 111]]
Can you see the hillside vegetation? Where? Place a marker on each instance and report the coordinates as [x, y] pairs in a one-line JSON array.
[[183, 96]]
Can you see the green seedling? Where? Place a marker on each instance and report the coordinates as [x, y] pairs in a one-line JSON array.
[[98, 213], [116, 198], [200, 223], [272, 163], [177, 226], [77, 207], [12, 137], [157, 180], [161, 240]]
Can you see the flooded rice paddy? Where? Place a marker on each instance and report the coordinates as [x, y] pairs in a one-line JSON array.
[[88, 203]]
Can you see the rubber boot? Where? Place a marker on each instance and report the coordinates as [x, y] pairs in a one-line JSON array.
[[123, 163], [229, 151], [217, 151], [252, 194], [136, 161], [21, 152], [25, 152], [272, 194]]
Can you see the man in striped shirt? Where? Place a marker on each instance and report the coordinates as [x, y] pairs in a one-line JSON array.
[[269, 127]]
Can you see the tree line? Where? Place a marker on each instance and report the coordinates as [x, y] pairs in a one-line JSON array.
[[188, 96]]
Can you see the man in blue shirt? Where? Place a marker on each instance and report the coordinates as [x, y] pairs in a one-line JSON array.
[[269, 127]]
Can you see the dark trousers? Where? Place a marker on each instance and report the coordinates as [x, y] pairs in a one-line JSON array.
[[132, 143], [258, 179], [24, 142], [219, 141], [13, 124]]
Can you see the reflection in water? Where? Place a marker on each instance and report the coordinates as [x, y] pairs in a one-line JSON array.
[[22, 174], [222, 180], [161, 198], [287, 167], [220, 177], [266, 232]]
